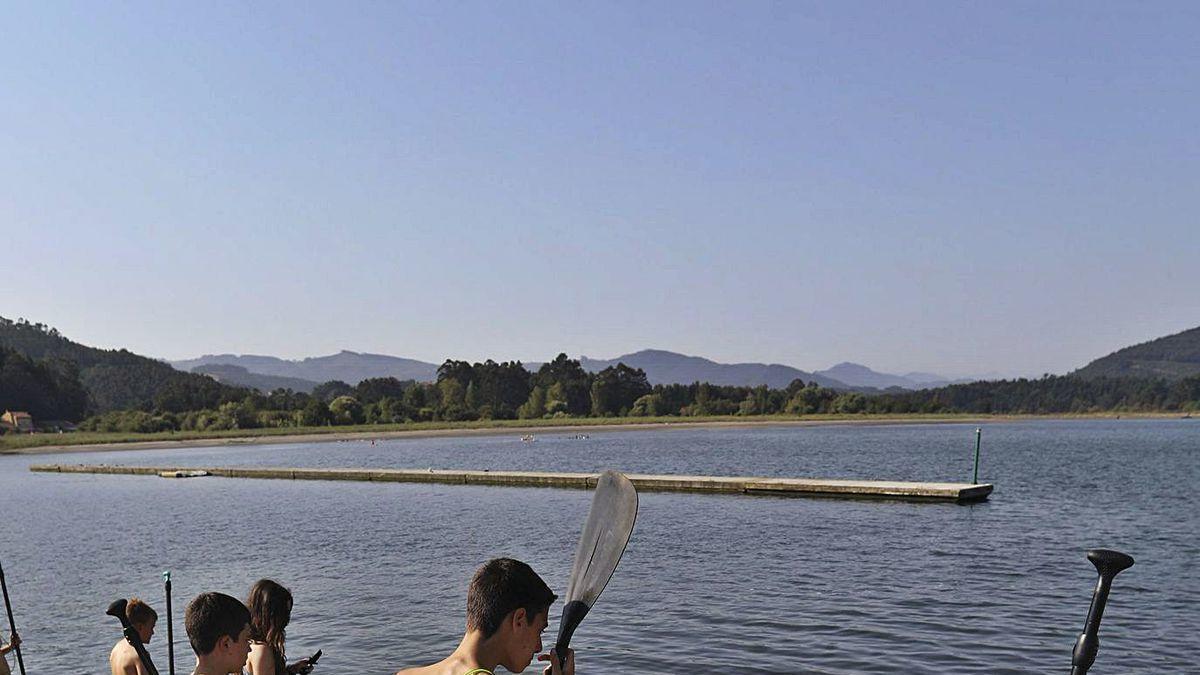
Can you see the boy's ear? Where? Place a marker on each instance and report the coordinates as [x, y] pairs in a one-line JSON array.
[[519, 617]]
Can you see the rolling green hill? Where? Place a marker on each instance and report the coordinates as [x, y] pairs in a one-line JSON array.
[[1172, 357], [116, 379]]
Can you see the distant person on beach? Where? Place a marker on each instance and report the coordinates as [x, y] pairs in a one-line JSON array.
[[124, 659], [507, 610], [5, 649], [270, 608], [218, 627]]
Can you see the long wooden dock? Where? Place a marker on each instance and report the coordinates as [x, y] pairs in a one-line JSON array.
[[804, 487]]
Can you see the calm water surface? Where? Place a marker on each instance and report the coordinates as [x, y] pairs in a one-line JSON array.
[[709, 583]]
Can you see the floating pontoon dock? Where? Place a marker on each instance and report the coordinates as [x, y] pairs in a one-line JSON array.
[[806, 487]]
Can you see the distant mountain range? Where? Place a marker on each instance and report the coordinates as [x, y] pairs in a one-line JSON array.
[[660, 366], [1172, 357], [347, 366], [119, 379], [857, 375], [663, 367]]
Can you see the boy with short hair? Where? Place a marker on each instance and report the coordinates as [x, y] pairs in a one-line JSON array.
[[218, 627], [507, 610], [124, 659]]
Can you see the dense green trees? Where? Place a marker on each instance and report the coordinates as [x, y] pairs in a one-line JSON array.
[[615, 390], [373, 389], [43, 373], [346, 410], [535, 407], [487, 390], [327, 391], [45, 389], [568, 386], [624, 391], [1050, 394]]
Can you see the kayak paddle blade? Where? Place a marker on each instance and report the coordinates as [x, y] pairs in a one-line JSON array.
[[605, 535]]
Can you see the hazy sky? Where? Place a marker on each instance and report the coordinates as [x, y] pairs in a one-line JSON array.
[[955, 187]]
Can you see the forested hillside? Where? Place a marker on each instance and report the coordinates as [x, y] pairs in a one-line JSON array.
[[113, 379], [1172, 357], [1048, 395], [48, 390]]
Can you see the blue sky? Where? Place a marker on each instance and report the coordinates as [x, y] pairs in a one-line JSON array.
[[953, 187]]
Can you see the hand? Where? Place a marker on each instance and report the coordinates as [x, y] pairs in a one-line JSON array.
[[301, 667], [553, 668], [15, 642]]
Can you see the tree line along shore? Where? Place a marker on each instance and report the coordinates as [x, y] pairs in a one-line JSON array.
[[111, 395], [504, 395]]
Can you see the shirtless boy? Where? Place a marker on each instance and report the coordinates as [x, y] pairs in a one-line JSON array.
[[507, 608], [124, 660], [218, 626]]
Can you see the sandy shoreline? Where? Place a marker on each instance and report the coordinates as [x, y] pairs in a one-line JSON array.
[[535, 430]]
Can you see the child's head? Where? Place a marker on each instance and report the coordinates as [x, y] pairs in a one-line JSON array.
[[142, 617], [508, 602], [218, 626], [270, 608]]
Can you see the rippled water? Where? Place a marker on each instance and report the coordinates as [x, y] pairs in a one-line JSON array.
[[708, 584]]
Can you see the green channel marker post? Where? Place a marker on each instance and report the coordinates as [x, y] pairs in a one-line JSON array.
[[978, 433]]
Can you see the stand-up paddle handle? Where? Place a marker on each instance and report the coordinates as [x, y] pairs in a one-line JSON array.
[[12, 625], [1108, 564], [573, 613], [117, 608]]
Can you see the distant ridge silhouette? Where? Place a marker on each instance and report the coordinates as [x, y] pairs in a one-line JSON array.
[[661, 366], [347, 366], [1172, 357]]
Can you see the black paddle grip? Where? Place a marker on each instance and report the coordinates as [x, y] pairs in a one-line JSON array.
[[1108, 564], [572, 616]]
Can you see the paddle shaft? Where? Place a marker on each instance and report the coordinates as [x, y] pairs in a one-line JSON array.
[[12, 626], [1108, 564], [170, 631], [132, 637], [1088, 644]]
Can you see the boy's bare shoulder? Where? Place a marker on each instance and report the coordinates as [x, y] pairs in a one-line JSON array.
[[451, 665], [422, 670]]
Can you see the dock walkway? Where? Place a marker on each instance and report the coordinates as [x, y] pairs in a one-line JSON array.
[[804, 487]]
